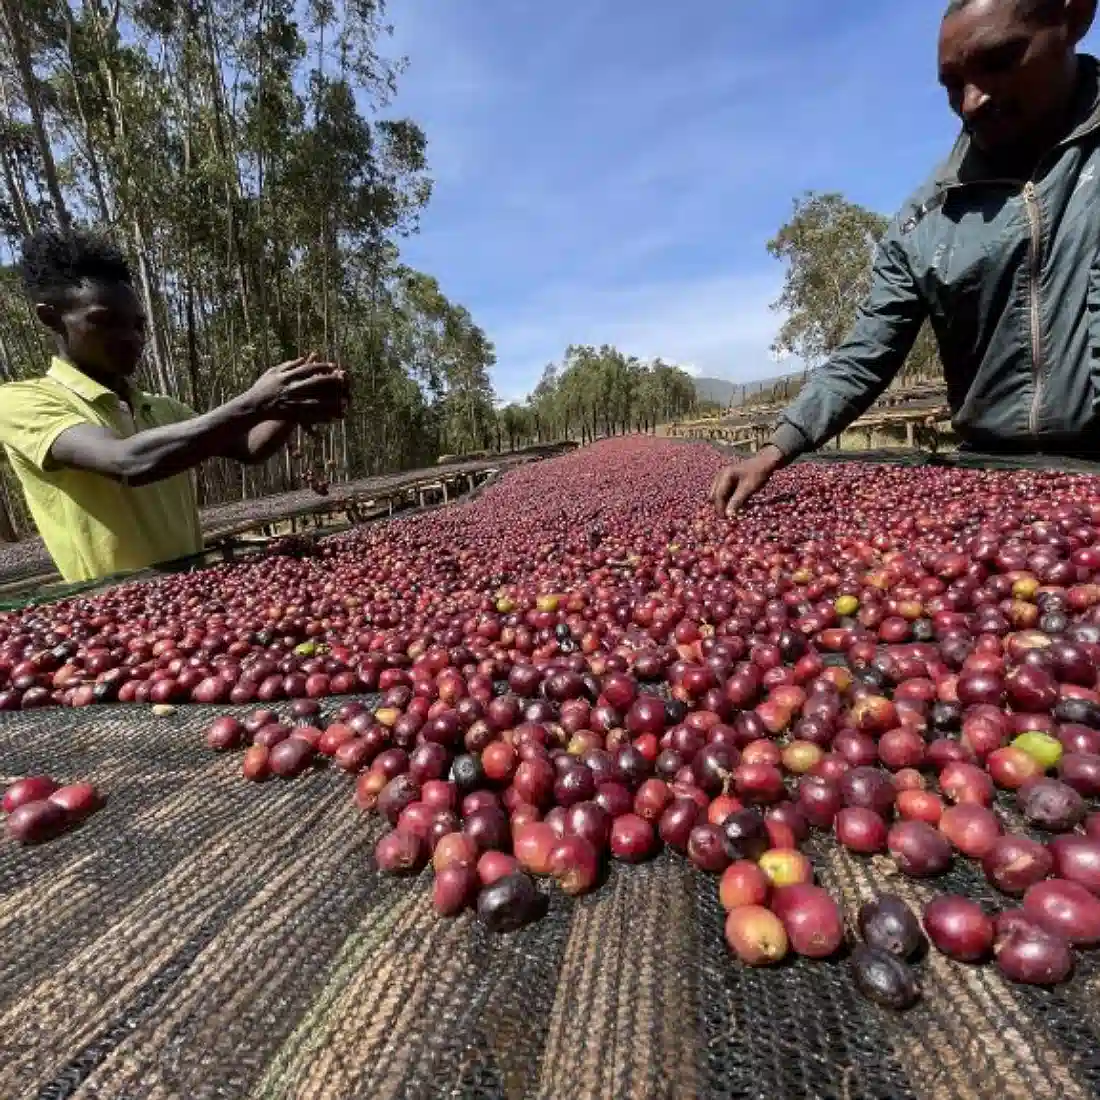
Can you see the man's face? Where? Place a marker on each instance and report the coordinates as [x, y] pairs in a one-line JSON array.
[[1006, 76], [102, 327]]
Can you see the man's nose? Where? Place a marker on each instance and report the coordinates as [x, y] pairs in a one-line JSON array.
[[974, 101]]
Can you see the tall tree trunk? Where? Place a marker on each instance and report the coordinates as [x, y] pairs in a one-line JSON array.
[[7, 528], [188, 231], [227, 149], [13, 179], [15, 190], [17, 35], [146, 278], [326, 211], [89, 148], [129, 193], [261, 280], [6, 374]]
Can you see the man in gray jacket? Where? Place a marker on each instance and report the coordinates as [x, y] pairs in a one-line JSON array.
[[999, 250]]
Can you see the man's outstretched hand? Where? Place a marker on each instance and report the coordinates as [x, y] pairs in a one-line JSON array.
[[739, 481], [303, 390]]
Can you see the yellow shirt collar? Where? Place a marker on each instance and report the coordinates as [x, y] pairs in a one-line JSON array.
[[74, 379]]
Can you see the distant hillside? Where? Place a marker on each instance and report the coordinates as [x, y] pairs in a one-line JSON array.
[[726, 393], [718, 390]]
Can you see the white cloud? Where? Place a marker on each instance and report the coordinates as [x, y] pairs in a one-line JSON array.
[[720, 326], [687, 368]]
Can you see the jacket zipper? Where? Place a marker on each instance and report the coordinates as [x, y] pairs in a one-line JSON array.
[[1034, 217]]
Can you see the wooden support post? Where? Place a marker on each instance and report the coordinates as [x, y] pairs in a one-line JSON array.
[[446, 498], [910, 434]]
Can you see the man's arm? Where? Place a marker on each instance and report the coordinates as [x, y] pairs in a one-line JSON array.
[[847, 385], [858, 372], [157, 453], [303, 390], [260, 442]]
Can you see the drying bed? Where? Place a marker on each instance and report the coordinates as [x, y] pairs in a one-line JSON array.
[[205, 937]]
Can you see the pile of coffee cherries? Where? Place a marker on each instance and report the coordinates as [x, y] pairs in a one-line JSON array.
[[588, 663], [38, 809]]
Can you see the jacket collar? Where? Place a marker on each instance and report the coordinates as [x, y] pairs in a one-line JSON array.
[[966, 163], [74, 379]]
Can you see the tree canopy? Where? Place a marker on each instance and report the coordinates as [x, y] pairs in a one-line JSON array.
[[598, 392], [828, 246]]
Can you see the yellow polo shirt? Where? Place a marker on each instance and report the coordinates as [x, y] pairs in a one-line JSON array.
[[92, 525]]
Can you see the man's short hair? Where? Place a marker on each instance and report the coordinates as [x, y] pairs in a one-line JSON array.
[[1040, 11], [56, 261]]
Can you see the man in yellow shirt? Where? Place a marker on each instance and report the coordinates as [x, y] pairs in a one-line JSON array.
[[104, 466]]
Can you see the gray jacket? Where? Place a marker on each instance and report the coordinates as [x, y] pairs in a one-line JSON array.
[[1008, 274]]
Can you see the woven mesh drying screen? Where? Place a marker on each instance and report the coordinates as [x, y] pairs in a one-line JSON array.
[[971, 460], [205, 937], [897, 456]]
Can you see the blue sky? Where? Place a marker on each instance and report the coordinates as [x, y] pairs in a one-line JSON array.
[[611, 170]]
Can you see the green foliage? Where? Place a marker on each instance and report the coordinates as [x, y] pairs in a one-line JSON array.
[[828, 246], [598, 392]]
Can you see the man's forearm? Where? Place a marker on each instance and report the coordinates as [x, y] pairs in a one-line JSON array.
[[839, 394], [828, 404], [885, 328], [157, 453], [263, 441]]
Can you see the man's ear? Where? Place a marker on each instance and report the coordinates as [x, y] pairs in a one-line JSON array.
[[1080, 15], [50, 316]]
